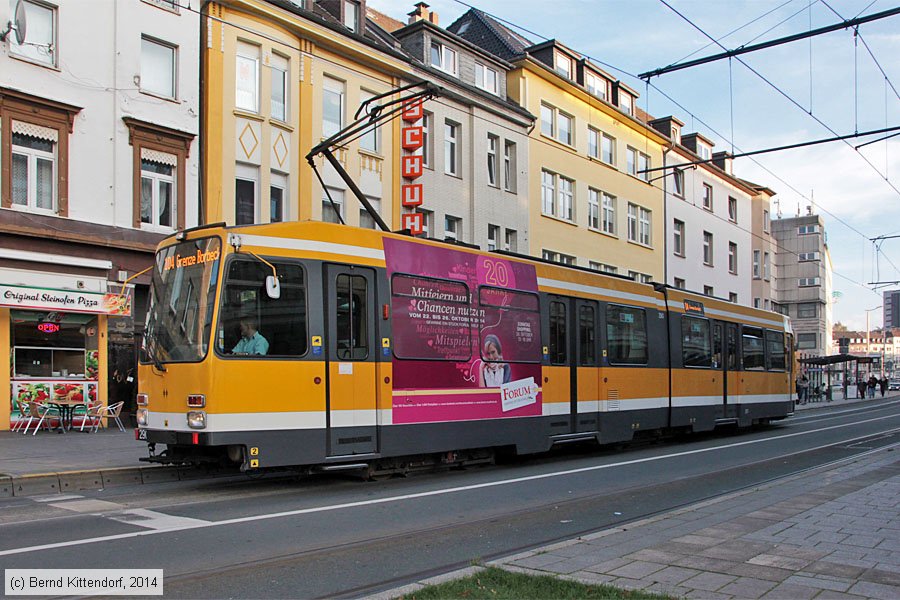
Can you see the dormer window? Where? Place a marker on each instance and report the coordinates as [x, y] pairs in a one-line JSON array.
[[486, 78], [676, 134], [443, 58], [626, 103], [596, 85], [351, 15], [563, 65], [705, 152]]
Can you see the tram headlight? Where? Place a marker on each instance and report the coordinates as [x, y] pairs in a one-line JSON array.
[[143, 399], [143, 416], [196, 419]]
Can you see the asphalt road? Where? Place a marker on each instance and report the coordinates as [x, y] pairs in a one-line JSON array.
[[337, 536]]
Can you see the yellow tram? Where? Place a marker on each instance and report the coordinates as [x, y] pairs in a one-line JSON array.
[[318, 345]]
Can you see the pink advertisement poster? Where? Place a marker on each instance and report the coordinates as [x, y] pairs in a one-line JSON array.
[[467, 337]]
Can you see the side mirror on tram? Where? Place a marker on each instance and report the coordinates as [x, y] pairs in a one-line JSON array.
[[273, 287]]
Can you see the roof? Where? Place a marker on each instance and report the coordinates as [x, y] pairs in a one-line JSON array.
[[486, 32], [834, 359], [387, 23]]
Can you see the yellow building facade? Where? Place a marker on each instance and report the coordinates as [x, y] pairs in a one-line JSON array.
[[275, 83], [589, 203]]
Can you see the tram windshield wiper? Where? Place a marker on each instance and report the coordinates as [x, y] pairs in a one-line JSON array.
[[151, 350]]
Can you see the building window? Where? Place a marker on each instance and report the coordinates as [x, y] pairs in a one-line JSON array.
[[707, 248], [492, 237], [608, 149], [333, 213], [608, 214], [807, 310], [486, 78], [645, 225], [756, 265], [563, 65], [643, 166], [766, 221], [626, 103], [332, 106], [34, 168], [596, 85], [366, 220], [707, 197], [493, 142], [548, 193], [566, 198], [425, 150], [809, 256], [732, 258], [443, 58], [806, 341], [593, 143], [452, 228], [246, 184], [809, 281], [557, 124], [732, 209], [427, 222], [756, 303], [370, 140], [247, 77], [679, 283], [704, 151], [279, 99], [732, 297], [678, 182], [351, 16], [158, 72], [278, 196], [708, 290], [632, 222], [678, 237], [558, 257], [766, 266], [807, 229], [158, 193], [593, 209], [509, 243], [40, 45], [609, 269], [593, 265], [451, 148], [509, 166]]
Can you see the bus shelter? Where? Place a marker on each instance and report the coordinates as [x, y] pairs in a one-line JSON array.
[[821, 369]]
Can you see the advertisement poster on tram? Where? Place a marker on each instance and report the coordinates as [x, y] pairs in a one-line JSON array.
[[466, 333]]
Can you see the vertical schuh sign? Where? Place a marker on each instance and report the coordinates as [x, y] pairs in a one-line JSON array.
[[411, 166]]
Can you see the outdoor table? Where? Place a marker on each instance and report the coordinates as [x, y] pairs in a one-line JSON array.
[[66, 411]]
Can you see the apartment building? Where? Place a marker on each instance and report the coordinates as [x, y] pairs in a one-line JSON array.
[[763, 269], [592, 202], [804, 285], [99, 155]]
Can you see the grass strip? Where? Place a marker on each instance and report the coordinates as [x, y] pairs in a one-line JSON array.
[[497, 583]]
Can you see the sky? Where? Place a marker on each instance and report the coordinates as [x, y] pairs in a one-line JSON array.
[[832, 76]]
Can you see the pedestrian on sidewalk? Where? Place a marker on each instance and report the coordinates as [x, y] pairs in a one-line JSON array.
[[883, 385], [802, 388], [871, 386]]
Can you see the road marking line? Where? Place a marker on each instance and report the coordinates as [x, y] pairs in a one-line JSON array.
[[89, 505], [152, 519], [464, 488], [55, 497]]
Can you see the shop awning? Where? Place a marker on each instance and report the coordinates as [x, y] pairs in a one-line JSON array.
[[835, 359]]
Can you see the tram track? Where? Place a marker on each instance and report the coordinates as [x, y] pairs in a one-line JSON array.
[[672, 489]]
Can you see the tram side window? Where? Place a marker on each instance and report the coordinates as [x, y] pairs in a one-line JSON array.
[[776, 354], [557, 346], [431, 318], [352, 318], [586, 327], [510, 325], [280, 323], [626, 334], [695, 349], [753, 349]]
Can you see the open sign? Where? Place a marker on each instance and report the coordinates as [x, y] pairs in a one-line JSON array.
[[47, 327]]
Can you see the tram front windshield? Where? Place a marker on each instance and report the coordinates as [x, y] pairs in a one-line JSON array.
[[182, 299]]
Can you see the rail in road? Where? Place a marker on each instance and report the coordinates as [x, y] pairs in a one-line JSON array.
[[333, 536]]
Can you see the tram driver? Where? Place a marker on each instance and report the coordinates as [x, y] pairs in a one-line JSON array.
[[252, 341]]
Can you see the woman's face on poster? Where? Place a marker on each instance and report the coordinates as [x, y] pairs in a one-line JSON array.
[[491, 352]]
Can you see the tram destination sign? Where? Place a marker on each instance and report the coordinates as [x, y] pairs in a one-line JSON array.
[[16, 296]]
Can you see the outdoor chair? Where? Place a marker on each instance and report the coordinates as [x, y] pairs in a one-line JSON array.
[[114, 411], [43, 412], [24, 411], [93, 416]]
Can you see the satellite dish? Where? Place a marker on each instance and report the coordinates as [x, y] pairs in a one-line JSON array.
[[18, 25]]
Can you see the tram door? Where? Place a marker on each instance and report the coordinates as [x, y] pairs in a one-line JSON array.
[[351, 355], [732, 372], [561, 377]]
